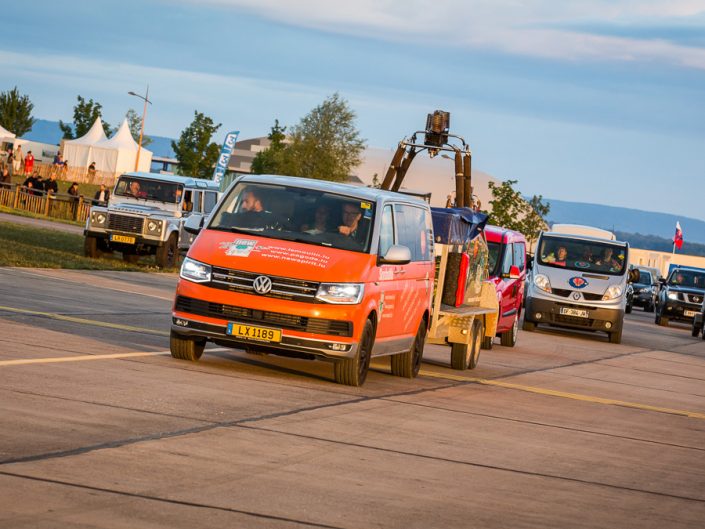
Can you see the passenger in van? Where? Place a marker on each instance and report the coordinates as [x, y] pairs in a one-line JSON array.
[[320, 221], [351, 213], [561, 256], [607, 260]]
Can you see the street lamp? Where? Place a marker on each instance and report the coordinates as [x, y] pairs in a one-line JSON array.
[[144, 115]]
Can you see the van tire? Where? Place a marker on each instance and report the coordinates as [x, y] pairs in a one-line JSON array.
[[528, 325], [616, 336], [186, 348], [407, 364], [168, 254], [509, 338], [90, 247], [353, 371]]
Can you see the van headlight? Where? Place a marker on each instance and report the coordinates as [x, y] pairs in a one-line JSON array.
[[612, 292], [98, 218], [542, 282], [340, 293], [154, 227], [195, 271]]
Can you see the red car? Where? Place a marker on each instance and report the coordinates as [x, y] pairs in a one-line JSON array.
[[507, 266]]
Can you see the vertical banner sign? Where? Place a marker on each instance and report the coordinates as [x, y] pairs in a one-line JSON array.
[[224, 157]]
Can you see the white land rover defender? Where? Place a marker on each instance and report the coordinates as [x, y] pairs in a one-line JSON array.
[[145, 216]]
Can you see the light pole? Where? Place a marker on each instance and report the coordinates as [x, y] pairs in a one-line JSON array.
[[144, 115]]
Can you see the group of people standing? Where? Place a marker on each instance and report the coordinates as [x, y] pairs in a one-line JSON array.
[[16, 162]]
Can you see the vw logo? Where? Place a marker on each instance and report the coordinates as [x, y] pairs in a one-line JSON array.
[[262, 284]]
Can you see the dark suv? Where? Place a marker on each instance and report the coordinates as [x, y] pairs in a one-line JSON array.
[[644, 292], [681, 295]]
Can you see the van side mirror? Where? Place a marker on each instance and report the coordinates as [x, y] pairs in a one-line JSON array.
[[514, 272], [193, 224], [633, 276], [397, 254]]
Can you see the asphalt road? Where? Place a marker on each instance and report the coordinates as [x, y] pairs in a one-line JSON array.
[[100, 427]]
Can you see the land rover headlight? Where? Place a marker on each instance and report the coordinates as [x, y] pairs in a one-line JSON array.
[[612, 292], [98, 218], [673, 295], [542, 282], [154, 227], [195, 271], [340, 293]]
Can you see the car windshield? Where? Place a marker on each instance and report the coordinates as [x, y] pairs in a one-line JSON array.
[[144, 188], [297, 214], [644, 278], [687, 278], [494, 248], [583, 255]]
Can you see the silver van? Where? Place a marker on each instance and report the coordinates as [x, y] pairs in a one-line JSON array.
[[578, 281]]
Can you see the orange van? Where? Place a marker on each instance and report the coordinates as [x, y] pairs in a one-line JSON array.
[[312, 269]]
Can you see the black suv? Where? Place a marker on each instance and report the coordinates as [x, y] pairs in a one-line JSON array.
[[681, 295], [644, 292]]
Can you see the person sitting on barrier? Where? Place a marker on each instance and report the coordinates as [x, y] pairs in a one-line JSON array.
[[51, 186], [101, 196]]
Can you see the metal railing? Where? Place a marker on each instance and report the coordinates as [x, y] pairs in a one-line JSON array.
[[56, 205]]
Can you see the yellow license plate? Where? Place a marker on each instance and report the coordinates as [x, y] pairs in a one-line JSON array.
[[252, 332], [122, 238]]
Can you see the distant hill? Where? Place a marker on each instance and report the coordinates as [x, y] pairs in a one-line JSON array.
[[632, 221], [659, 244], [45, 131]]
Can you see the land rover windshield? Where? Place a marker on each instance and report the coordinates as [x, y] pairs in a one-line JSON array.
[[583, 255], [297, 214], [147, 189]]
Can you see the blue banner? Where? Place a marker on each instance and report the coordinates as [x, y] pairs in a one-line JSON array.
[[224, 157]]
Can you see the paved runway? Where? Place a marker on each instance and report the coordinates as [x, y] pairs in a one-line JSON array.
[[100, 427]]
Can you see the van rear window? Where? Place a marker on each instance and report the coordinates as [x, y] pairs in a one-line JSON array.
[[583, 255], [297, 214]]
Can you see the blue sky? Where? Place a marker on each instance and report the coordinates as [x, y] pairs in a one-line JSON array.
[[591, 100]]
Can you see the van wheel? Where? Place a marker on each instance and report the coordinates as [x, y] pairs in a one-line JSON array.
[[616, 336], [168, 254], [509, 338], [528, 325], [353, 371], [186, 348], [407, 364], [90, 247]]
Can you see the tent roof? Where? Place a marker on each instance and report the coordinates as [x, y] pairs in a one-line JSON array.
[[4, 133], [122, 139], [94, 135]]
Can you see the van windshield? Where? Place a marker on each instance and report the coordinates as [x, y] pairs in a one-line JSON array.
[[137, 187], [297, 214], [583, 255]]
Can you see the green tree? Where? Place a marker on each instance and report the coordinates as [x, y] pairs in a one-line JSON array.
[[196, 153], [269, 160], [325, 144], [135, 123], [84, 115], [16, 112], [510, 210]]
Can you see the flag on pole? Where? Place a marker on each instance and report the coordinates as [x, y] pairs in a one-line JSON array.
[[678, 238]]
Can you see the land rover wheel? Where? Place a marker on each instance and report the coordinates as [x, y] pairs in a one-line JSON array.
[[353, 371], [509, 338], [168, 254], [407, 364], [186, 348], [90, 247]]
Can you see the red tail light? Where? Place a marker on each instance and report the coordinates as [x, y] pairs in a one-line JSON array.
[[462, 279]]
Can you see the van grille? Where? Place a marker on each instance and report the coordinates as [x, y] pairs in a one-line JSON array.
[[564, 293], [263, 317], [282, 287], [125, 223]]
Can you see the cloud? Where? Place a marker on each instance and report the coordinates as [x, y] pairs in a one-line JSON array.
[[538, 28]]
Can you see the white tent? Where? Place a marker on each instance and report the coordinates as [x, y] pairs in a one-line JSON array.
[[6, 135], [77, 152], [118, 154]]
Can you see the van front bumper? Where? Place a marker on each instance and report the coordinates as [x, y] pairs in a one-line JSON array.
[[190, 327], [547, 311]]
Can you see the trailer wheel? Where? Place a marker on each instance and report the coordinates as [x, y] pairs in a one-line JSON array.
[[464, 356], [478, 331], [407, 364], [353, 371], [487, 342], [186, 348]]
